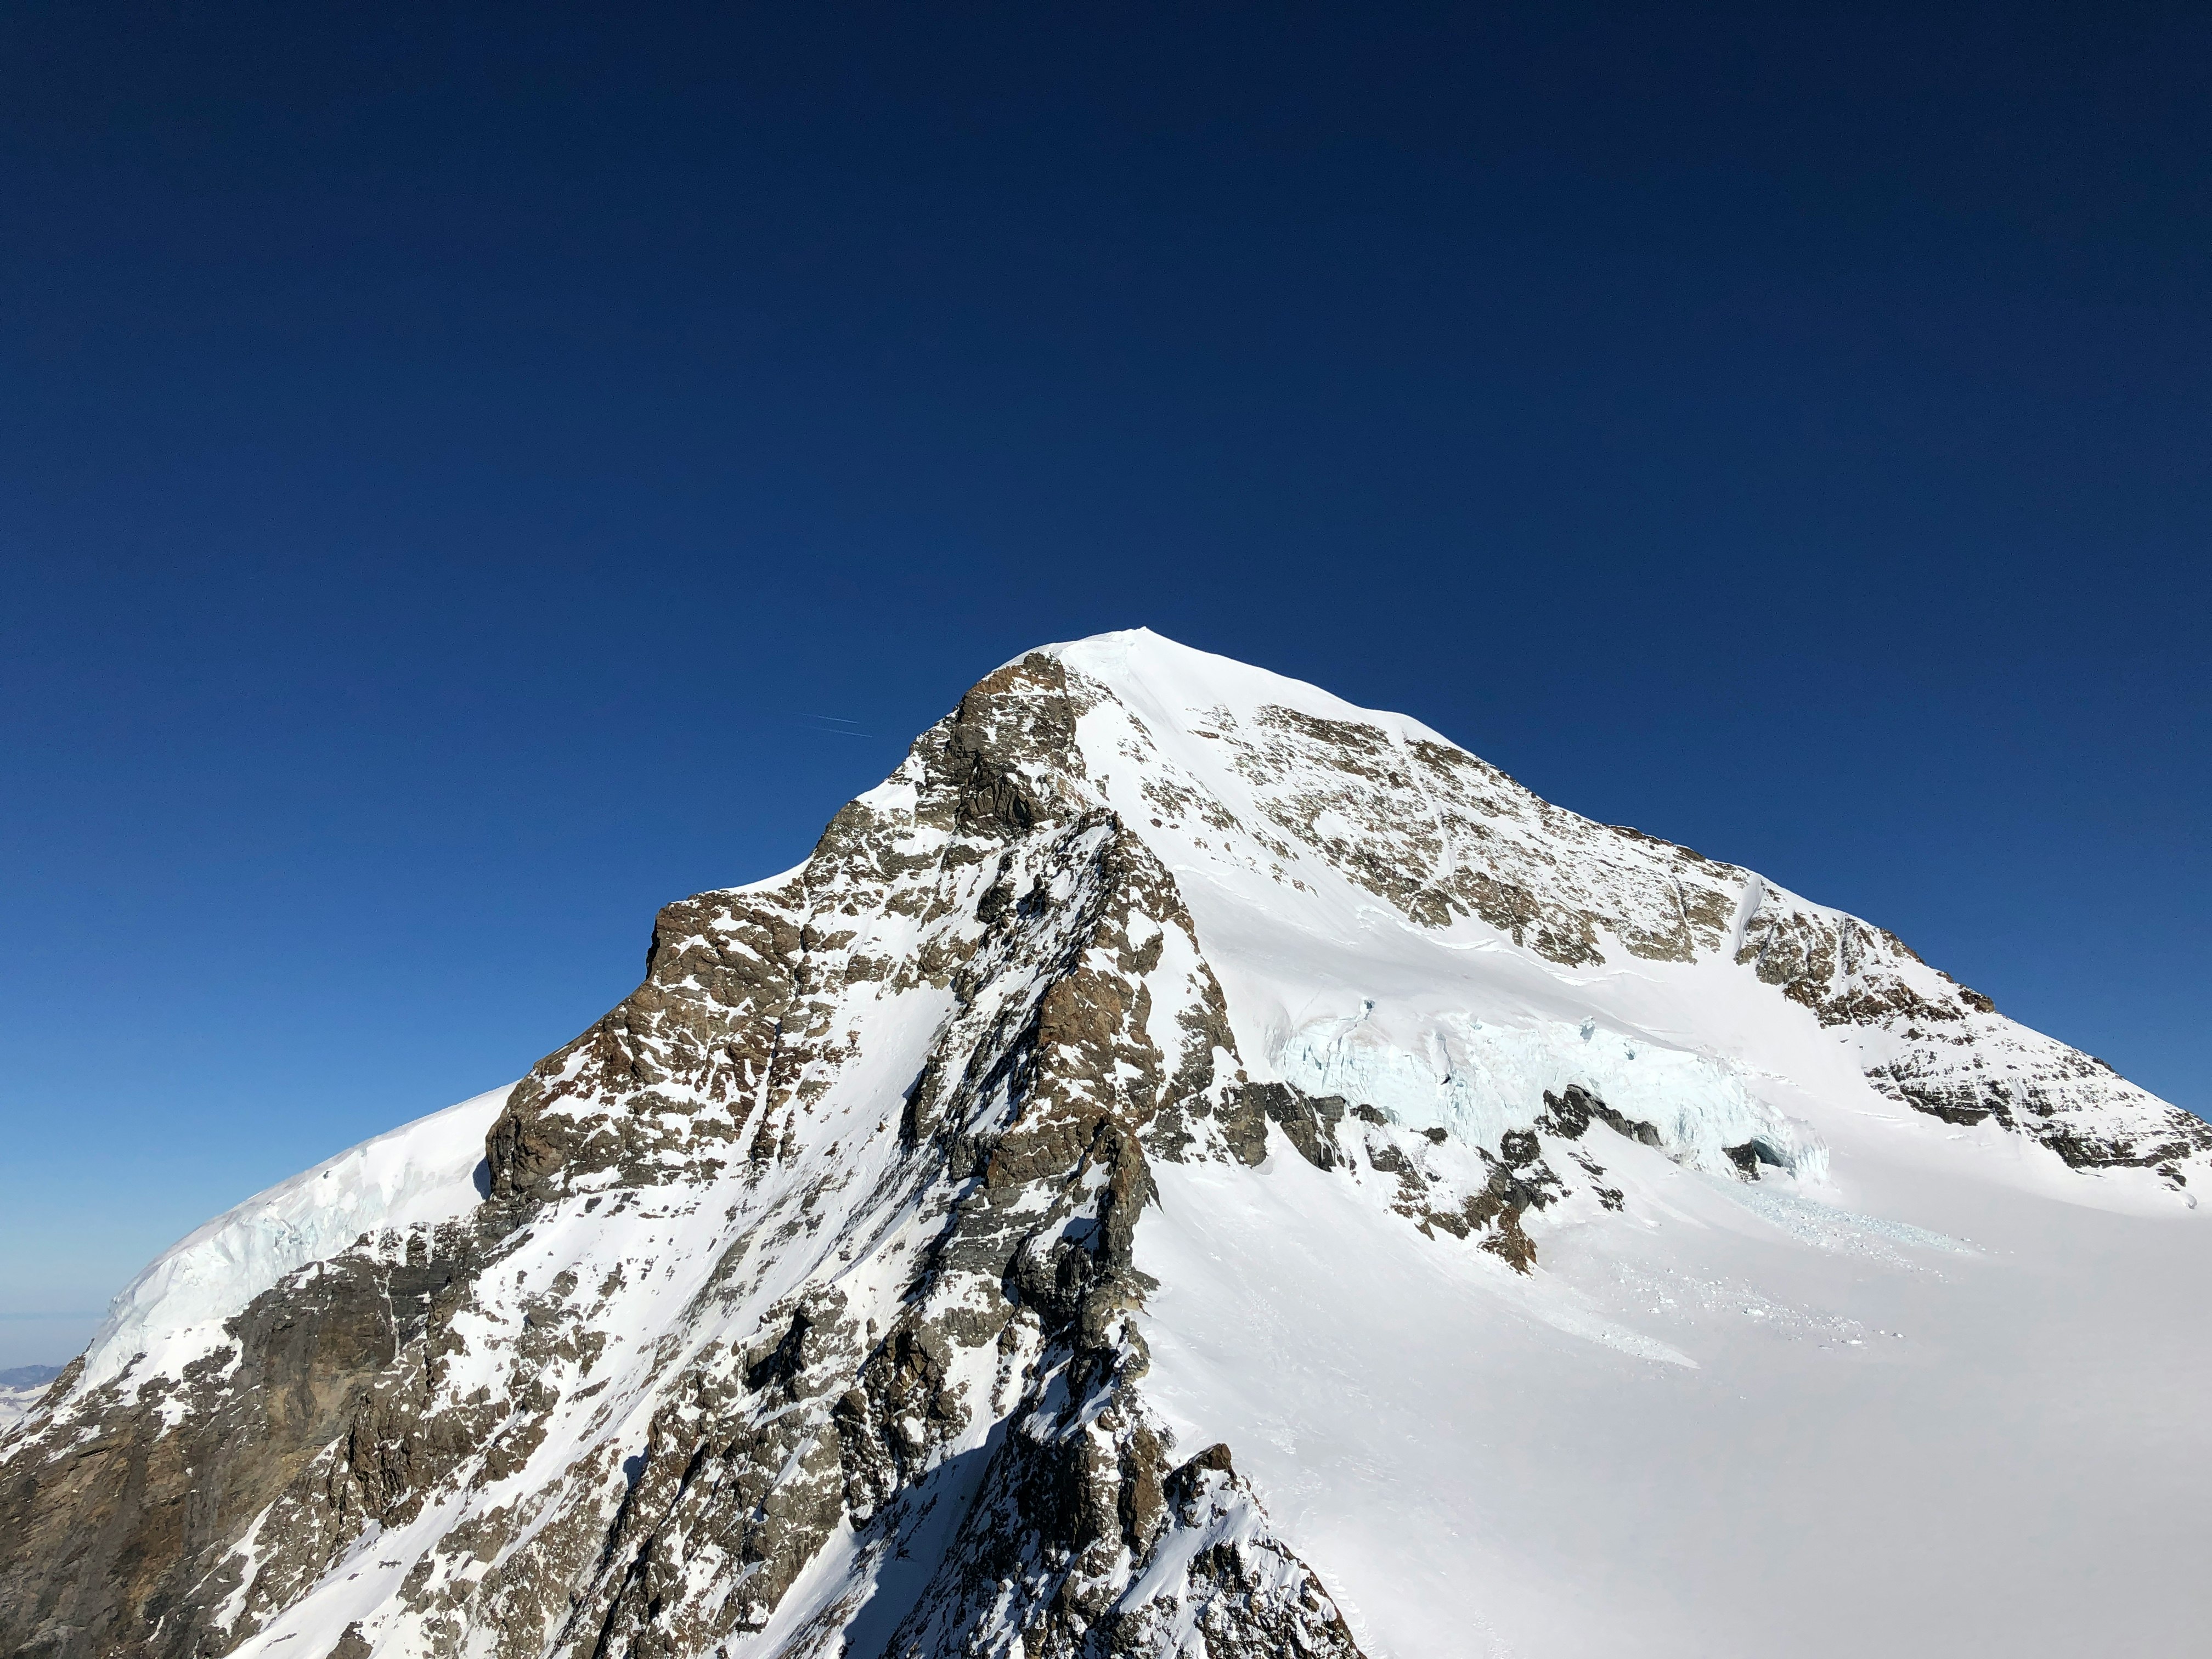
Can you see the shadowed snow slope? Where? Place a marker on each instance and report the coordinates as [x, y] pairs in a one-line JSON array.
[[1187, 1166]]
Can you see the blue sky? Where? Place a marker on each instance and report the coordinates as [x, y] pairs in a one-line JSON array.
[[472, 476]]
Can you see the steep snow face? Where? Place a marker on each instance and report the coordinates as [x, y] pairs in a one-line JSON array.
[[1189, 1166]]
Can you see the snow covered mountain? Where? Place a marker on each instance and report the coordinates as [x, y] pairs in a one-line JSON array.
[[1187, 1167]]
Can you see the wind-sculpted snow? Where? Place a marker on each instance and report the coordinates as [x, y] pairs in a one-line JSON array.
[[868, 1281]]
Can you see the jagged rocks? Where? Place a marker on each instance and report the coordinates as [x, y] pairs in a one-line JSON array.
[[1308, 1122], [1943, 1050], [1748, 1157], [1572, 1110], [111, 1540]]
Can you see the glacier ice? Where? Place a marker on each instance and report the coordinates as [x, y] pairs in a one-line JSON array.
[[1477, 1080]]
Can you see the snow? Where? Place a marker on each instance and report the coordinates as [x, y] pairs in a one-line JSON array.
[[1453, 1072], [1906, 1448], [16, 1404], [173, 1312]]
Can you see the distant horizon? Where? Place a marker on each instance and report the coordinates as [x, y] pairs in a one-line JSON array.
[[469, 486]]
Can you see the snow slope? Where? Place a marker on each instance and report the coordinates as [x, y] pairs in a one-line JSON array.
[[1832, 1444]]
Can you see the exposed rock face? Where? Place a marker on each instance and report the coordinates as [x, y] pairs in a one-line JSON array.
[[800, 1310], [1928, 1041]]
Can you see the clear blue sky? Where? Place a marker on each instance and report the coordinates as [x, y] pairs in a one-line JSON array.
[[449, 460]]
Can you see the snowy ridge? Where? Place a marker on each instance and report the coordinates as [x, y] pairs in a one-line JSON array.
[[18, 1397], [419, 1174]]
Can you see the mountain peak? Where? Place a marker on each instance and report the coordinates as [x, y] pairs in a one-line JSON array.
[[1168, 1054]]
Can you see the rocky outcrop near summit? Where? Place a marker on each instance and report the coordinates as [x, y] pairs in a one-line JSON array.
[[798, 1306]]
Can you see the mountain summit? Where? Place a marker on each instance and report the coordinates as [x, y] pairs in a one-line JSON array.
[[1187, 1166]]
